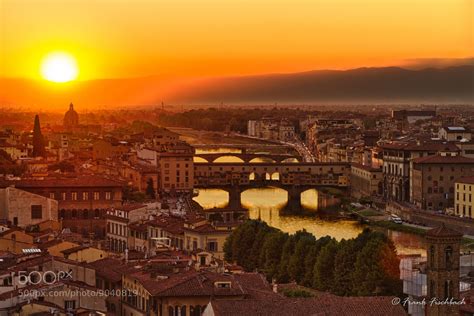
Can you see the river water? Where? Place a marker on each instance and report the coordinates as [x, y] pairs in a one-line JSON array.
[[265, 204]]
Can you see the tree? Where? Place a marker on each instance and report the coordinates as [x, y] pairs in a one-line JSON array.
[[296, 266], [271, 251], [310, 259], [38, 140], [376, 270], [150, 190], [63, 166], [344, 268], [288, 249], [324, 267]]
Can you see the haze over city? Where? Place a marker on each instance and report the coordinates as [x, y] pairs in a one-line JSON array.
[[160, 48]]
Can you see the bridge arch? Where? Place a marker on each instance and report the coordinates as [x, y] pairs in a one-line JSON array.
[[262, 159], [198, 159], [290, 160], [228, 158], [275, 176]]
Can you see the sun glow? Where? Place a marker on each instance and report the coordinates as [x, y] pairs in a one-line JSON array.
[[59, 67]]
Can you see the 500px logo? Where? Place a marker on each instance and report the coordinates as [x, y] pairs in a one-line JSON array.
[[41, 277]]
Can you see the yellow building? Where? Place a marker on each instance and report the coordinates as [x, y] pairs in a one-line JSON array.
[[464, 197], [84, 254], [176, 168], [56, 247], [15, 240]]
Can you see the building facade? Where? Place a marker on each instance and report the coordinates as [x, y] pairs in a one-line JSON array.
[[464, 197], [82, 201], [434, 180], [176, 168], [22, 208], [366, 181]]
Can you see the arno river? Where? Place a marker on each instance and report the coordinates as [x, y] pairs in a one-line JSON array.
[[265, 203]]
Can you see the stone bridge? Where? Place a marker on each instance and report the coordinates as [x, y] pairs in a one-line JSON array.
[[295, 178], [248, 157]]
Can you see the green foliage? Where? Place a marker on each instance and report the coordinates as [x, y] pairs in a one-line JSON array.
[[63, 166], [132, 194], [220, 120], [366, 265], [297, 293], [5, 157], [150, 189], [323, 274]]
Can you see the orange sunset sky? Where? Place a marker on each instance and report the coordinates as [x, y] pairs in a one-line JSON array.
[[191, 38]]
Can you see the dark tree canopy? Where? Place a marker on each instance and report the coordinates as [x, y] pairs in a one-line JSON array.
[[367, 265], [38, 140]]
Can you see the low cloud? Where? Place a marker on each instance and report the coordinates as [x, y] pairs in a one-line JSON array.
[[420, 63]]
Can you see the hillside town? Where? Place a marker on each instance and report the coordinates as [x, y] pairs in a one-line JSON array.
[[101, 219]]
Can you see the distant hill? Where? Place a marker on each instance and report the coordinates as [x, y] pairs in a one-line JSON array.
[[368, 85], [389, 84]]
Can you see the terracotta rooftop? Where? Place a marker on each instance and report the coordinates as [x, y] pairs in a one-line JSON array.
[[322, 305], [443, 231], [431, 146], [82, 181], [468, 180], [190, 283], [365, 167], [443, 160], [73, 249]]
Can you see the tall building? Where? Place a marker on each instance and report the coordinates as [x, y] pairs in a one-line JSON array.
[[397, 165], [464, 197], [176, 167], [433, 179], [443, 270], [71, 118]]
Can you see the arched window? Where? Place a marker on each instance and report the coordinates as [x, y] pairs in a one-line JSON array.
[[432, 257], [448, 256], [432, 288], [171, 311], [195, 310], [448, 289]]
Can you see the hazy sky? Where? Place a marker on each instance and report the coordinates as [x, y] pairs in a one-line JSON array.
[[119, 38]]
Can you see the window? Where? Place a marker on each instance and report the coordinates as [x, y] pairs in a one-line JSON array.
[[74, 196], [96, 195], [36, 211], [212, 245], [51, 195], [69, 305], [222, 285], [85, 196], [448, 256], [448, 289], [63, 196], [108, 195]]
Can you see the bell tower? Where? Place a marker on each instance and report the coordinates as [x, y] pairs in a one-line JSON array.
[[442, 270]]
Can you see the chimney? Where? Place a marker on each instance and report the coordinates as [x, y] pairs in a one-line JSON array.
[[274, 286]]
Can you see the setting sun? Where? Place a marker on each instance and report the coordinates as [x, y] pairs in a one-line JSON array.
[[59, 67]]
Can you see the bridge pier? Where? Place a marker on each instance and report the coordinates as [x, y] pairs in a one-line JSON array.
[[234, 197], [294, 200]]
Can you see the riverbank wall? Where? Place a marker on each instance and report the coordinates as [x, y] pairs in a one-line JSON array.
[[409, 214]]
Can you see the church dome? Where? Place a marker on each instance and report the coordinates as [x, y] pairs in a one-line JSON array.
[[71, 118]]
